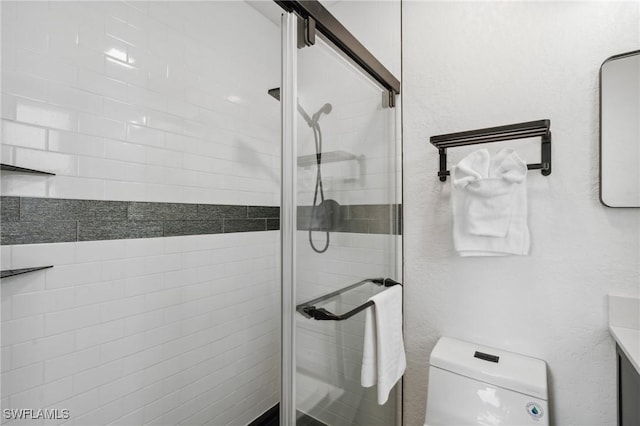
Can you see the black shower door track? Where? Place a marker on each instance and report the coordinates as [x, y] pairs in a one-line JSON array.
[[328, 25]]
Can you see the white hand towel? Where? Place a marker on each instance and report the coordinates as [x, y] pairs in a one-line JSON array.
[[383, 357], [489, 201]]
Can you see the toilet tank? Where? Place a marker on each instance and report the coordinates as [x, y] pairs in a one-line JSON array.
[[471, 384]]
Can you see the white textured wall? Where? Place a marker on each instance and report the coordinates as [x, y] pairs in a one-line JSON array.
[[473, 65]]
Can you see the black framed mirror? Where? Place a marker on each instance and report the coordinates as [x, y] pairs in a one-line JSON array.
[[620, 130]]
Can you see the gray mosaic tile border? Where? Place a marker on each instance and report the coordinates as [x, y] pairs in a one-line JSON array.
[[28, 220]]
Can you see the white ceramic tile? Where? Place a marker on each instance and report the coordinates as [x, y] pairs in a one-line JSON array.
[[75, 143], [30, 27], [27, 61], [125, 72], [76, 187], [21, 379], [125, 112], [22, 330], [167, 122], [70, 97], [23, 135], [92, 251], [43, 254], [102, 85], [146, 98], [41, 349], [98, 334], [145, 135], [122, 308], [125, 151], [25, 85], [9, 105], [100, 168], [5, 357], [125, 191], [70, 319], [125, 33], [60, 164], [100, 126], [70, 275], [29, 304], [17, 184], [64, 366], [143, 322], [44, 396], [96, 376], [45, 115]]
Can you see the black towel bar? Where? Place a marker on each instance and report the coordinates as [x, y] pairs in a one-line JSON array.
[[309, 310], [530, 129]]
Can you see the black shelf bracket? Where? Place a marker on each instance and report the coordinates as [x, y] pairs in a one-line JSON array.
[[13, 272], [529, 129], [309, 310], [10, 168]]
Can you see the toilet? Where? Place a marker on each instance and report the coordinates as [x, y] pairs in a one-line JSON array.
[[471, 384]]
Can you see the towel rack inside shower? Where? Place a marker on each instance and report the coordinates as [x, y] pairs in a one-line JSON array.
[[309, 310], [529, 129]]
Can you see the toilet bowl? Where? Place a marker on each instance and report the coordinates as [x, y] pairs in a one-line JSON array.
[[471, 384]]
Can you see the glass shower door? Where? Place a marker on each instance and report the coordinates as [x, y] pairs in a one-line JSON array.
[[347, 231]]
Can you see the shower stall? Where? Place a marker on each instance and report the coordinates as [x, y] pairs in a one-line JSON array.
[[185, 185]]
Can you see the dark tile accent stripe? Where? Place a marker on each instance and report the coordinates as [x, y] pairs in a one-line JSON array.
[[357, 218], [262, 211], [31, 232], [244, 225], [29, 220], [45, 209], [162, 211], [9, 209], [192, 227]]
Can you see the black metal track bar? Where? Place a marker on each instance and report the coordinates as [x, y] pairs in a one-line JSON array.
[[309, 310], [530, 129], [328, 25]]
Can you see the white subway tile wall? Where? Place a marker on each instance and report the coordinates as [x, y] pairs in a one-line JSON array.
[[154, 331], [146, 101], [142, 101]]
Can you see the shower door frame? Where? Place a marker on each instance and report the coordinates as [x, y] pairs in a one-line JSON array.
[[315, 15]]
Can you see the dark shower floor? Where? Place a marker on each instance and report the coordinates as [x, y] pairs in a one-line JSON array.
[[272, 418]]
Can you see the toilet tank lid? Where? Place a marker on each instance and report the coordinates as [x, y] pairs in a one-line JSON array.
[[511, 371]]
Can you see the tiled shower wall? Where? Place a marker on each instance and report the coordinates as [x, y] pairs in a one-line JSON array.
[[144, 331], [141, 101], [133, 103]]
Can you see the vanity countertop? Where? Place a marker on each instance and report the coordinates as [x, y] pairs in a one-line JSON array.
[[629, 341], [624, 326]]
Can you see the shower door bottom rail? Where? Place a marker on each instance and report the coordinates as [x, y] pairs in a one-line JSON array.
[[309, 310]]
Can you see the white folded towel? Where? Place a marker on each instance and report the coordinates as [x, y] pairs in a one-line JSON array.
[[489, 202], [383, 358]]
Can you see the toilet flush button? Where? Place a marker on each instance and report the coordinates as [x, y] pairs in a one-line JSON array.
[[534, 410]]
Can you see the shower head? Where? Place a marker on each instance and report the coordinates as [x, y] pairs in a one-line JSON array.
[[326, 109]]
